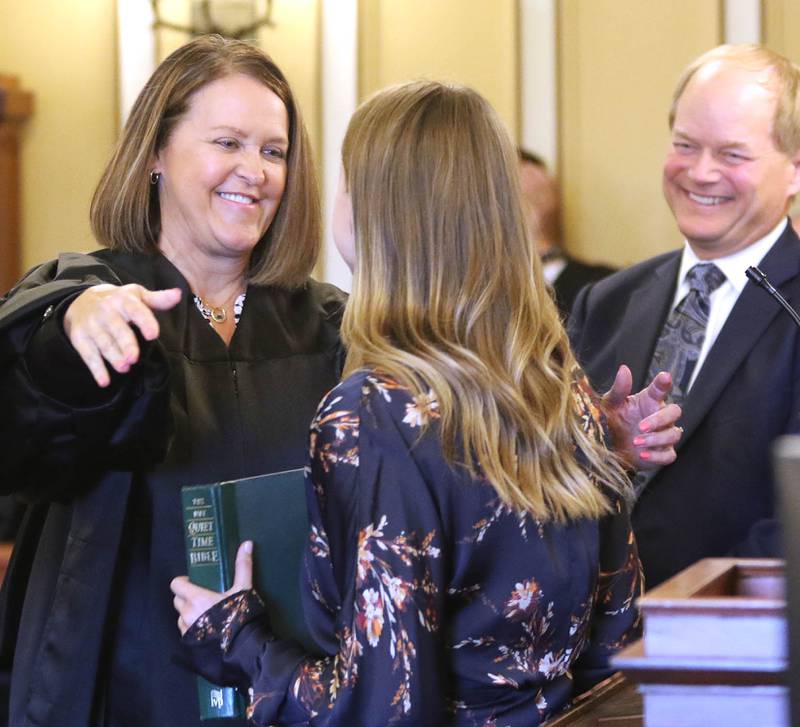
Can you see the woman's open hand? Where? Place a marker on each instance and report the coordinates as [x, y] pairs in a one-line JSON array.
[[643, 426], [98, 324], [193, 601]]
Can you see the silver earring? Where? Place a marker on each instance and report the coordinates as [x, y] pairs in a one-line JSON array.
[[154, 177]]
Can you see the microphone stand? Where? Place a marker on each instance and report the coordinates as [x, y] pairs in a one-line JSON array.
[[760, 279]]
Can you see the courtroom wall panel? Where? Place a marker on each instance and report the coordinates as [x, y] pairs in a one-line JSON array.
[[619, 61], [466, 41], [64, 53], [781, 27]]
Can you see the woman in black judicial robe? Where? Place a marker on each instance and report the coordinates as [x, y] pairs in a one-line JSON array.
[[193, 349]]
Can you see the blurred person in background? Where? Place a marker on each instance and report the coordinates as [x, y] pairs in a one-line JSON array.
[[564, 273]]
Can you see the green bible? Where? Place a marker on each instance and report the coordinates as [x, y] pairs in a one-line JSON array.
[[271, 511]]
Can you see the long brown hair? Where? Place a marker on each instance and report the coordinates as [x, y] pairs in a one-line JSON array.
[[448, 295], [125, 212]]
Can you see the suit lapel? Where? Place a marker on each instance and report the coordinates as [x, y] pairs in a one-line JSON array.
[[647, 309], [746, 323]]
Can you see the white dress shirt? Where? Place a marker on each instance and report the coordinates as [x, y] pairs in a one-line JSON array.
[[553, 268], [724, 298]]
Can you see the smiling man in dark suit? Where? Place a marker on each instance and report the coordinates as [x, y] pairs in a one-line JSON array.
[[731, 171]]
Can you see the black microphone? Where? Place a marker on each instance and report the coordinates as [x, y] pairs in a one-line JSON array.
[[760, 279]]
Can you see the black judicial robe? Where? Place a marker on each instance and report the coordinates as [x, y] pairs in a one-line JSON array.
[[87, 615]]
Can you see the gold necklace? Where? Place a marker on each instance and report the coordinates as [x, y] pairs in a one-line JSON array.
[[216, 314]]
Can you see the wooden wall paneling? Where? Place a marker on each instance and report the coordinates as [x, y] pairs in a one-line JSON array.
[[16, 106], [465, 41], [781, 27], [618, 64]]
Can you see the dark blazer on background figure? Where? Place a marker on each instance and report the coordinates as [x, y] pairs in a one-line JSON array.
[[717, 499], [572, 278]]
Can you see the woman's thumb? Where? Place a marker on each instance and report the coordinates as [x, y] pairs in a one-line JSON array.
[[243, 573]]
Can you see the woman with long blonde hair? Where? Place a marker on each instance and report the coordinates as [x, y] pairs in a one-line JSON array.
[[471, 557]]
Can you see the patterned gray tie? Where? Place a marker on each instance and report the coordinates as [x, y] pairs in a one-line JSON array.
[[682, 337]]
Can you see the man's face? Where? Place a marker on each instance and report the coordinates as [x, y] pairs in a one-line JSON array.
[[725, 181], [540, 191]]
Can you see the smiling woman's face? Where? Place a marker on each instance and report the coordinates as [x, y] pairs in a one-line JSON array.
[[223, 169]]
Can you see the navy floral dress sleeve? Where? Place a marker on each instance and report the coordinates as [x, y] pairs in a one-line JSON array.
[[435, 603]]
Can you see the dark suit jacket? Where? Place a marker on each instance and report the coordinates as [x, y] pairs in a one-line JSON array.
[[714, 499], [572, 278]]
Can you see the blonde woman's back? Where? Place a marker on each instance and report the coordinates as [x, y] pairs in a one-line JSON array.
[[451, 608]]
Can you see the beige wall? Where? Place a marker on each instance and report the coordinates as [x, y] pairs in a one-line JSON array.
[[619, 61], [781, 31], [466, 41], [64, 52]]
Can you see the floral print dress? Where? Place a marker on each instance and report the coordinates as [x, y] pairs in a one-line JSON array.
[[435, 603]]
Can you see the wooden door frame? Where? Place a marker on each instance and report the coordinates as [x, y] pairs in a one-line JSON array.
[[16, 107]]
